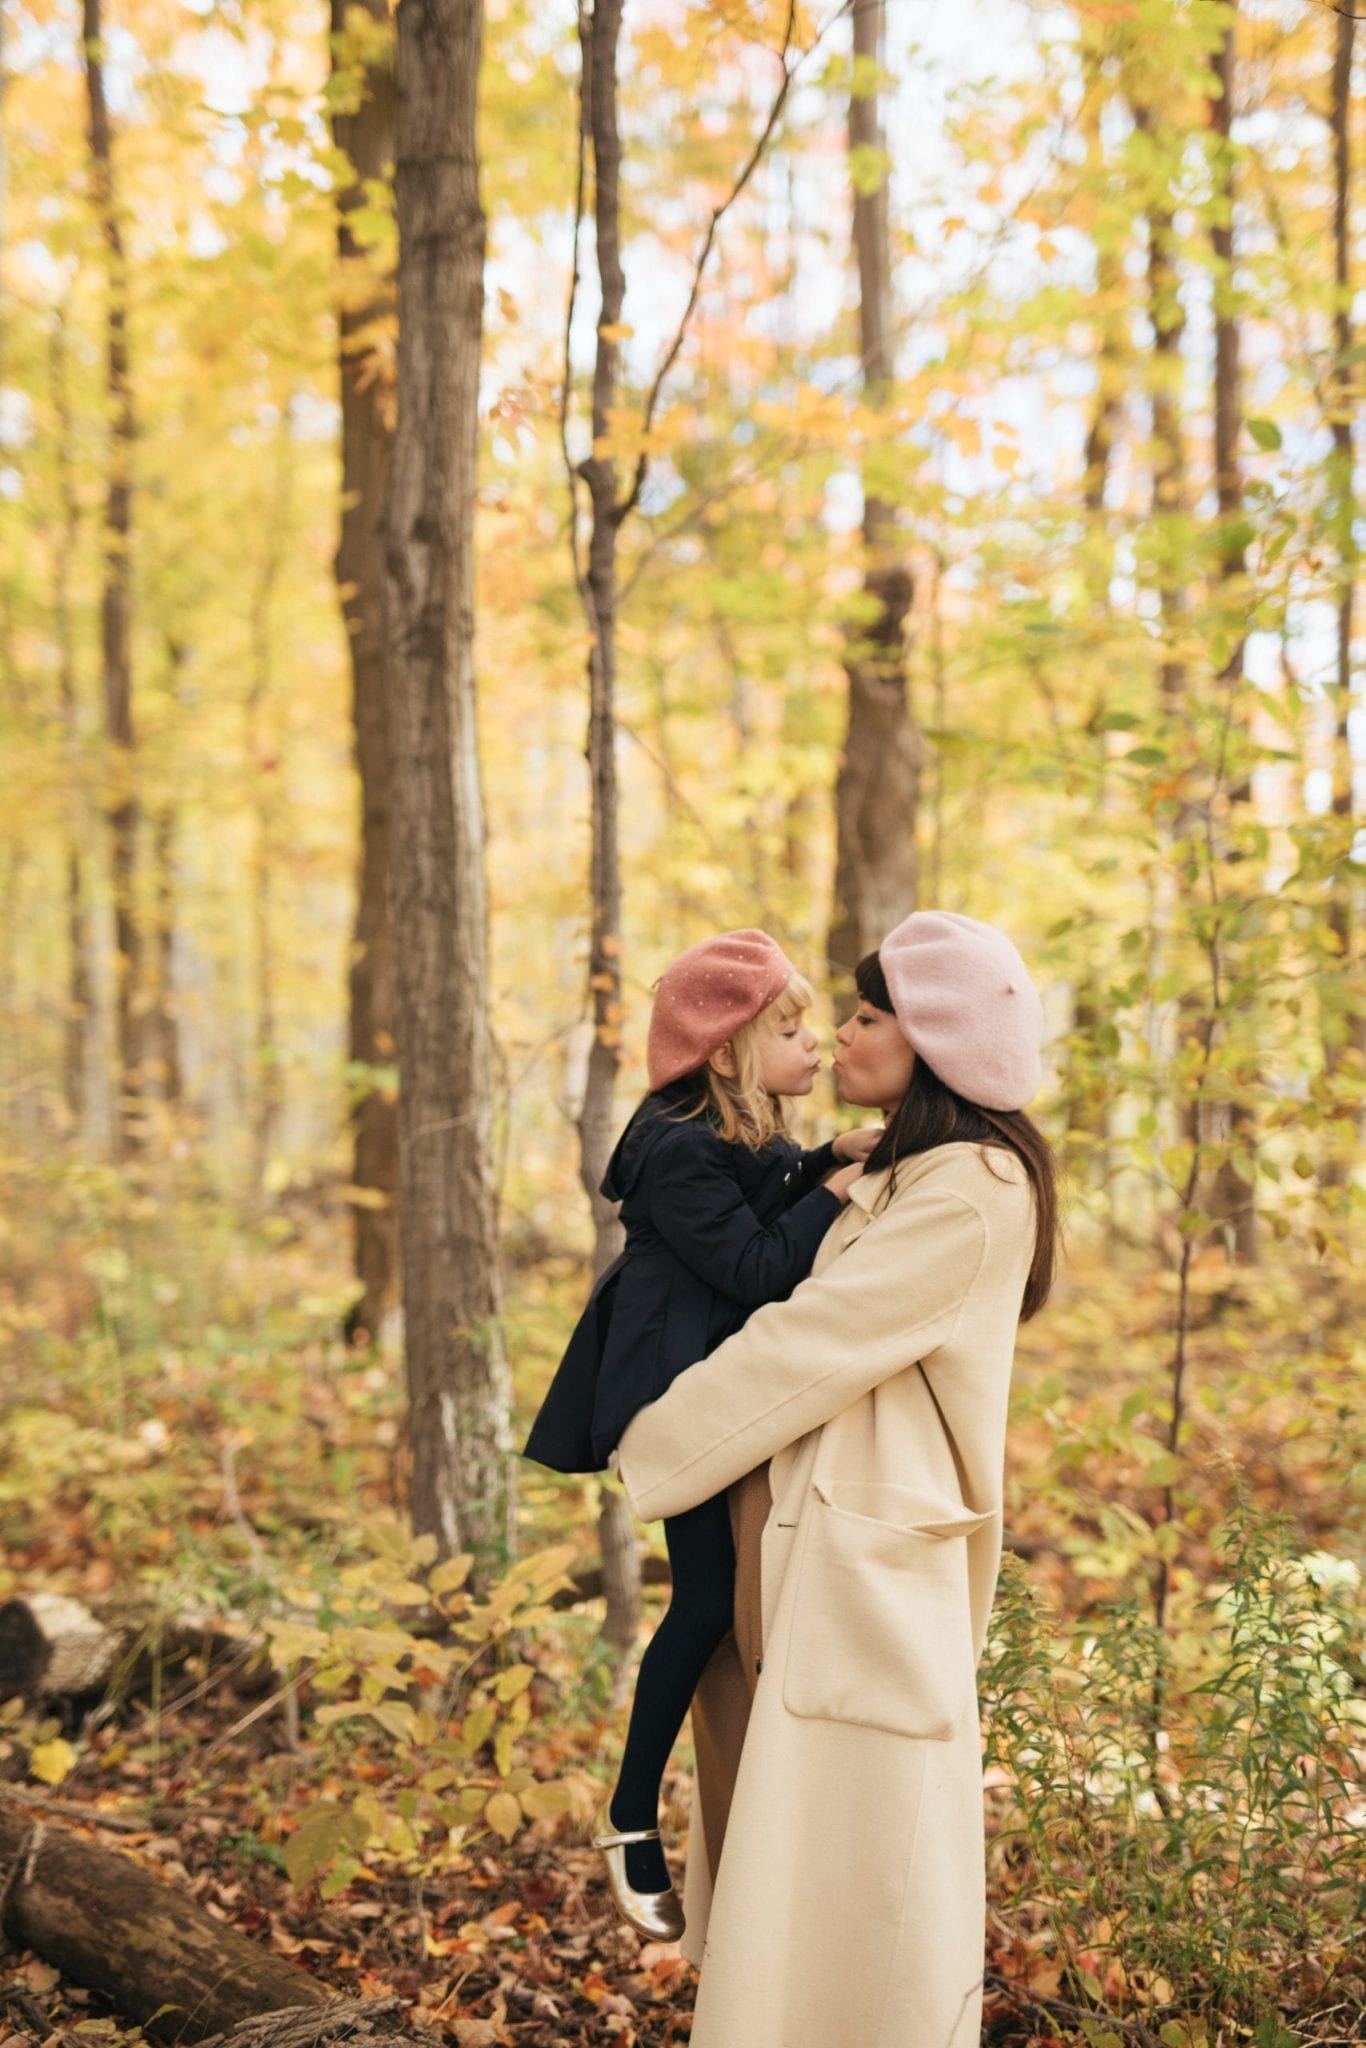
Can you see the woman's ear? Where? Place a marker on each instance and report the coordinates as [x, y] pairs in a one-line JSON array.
[[723, 1061]]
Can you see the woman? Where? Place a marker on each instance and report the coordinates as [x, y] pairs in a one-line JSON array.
[[836, 1731]]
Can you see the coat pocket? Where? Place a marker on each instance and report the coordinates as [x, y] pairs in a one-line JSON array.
[[881, 1624]]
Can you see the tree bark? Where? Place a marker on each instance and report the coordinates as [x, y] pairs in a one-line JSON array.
[[365, 133], [104, 1921], [80, 993], [877, 791], [1345, 1022], [457, 1375], [599, 34], [116, 607], [370, 2022], [621, 1569]]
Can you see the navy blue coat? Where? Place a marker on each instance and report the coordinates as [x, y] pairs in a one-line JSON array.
[[713, 1231]]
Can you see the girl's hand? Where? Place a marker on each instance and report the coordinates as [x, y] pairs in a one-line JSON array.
[[840, 1182], [858, 1144]]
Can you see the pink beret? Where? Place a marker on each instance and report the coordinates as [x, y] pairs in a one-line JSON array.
[[964, 1000], [707, 994]]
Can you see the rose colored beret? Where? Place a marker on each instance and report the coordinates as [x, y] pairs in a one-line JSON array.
[[963, 997], [705, 997]]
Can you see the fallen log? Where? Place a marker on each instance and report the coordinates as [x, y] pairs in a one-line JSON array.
[[54, 1647], [105, 1922]]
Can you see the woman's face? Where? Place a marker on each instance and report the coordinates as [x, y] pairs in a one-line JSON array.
[[873, 1064]]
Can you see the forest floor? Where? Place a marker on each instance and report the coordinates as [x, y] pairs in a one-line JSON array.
[[132, 1455], [519, 1950]]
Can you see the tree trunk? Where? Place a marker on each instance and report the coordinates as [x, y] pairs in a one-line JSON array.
[[263, 769], [165, 1019], [1170, 482], [1170, 504], [621, 1573], [80, 994], [1345, 1022], [1231, 1198], [116, 608], [1112, 316], [165, 1022], [877, 791], [365, 133], [457, 1375], [599, 34], [106, 1922]]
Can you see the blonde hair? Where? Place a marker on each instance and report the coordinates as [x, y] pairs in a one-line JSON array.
[[739, 1105]]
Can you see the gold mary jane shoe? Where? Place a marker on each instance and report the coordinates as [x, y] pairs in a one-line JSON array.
[[656, 1915]]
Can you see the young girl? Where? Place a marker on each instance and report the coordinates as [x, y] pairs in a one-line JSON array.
[[723, 1212]]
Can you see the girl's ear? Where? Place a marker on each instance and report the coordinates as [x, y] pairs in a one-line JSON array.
[[723, 1061]]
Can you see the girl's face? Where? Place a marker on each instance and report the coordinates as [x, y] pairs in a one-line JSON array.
[[873, 1064], [789, 1058]]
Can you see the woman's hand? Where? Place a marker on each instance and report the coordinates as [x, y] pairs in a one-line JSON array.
[[840, 1182], [858, 1144]]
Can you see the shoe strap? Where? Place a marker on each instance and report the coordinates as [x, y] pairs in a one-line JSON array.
[[617, 1841]]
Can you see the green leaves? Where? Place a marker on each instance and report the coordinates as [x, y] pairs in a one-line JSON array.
[[325, 1832], [1177, 1804], [408, 1718]]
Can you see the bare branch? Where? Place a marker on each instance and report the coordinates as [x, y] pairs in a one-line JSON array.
[[718, 215]]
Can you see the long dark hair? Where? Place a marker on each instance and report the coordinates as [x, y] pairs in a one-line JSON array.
[[931, 1113]]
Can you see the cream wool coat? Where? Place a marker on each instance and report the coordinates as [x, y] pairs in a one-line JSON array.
[[849, 1901]]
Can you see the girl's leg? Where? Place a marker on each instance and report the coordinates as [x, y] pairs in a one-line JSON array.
[[702, 1559]]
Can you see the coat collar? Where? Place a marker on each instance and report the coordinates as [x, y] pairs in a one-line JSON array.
[[869, 1191]]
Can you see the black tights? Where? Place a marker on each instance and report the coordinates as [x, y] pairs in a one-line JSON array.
[[702, 1559]]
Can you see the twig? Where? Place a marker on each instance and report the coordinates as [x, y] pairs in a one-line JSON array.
[[1027, 2002], [232, 1501], [259, 1712], [71, 1809]]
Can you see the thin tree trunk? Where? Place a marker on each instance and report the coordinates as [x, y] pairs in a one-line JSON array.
[[877, 791], [1170, 506], [165, 1016], [1111, 383], [116, 609], [1343, 1031], [457, 1375], [80, 987], [621, 1576], [263, 767], [1113, 351], [1231, 1197], [599, 33], [1170, 482], [1087, 1106], [365, 133], [166, 1021]]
